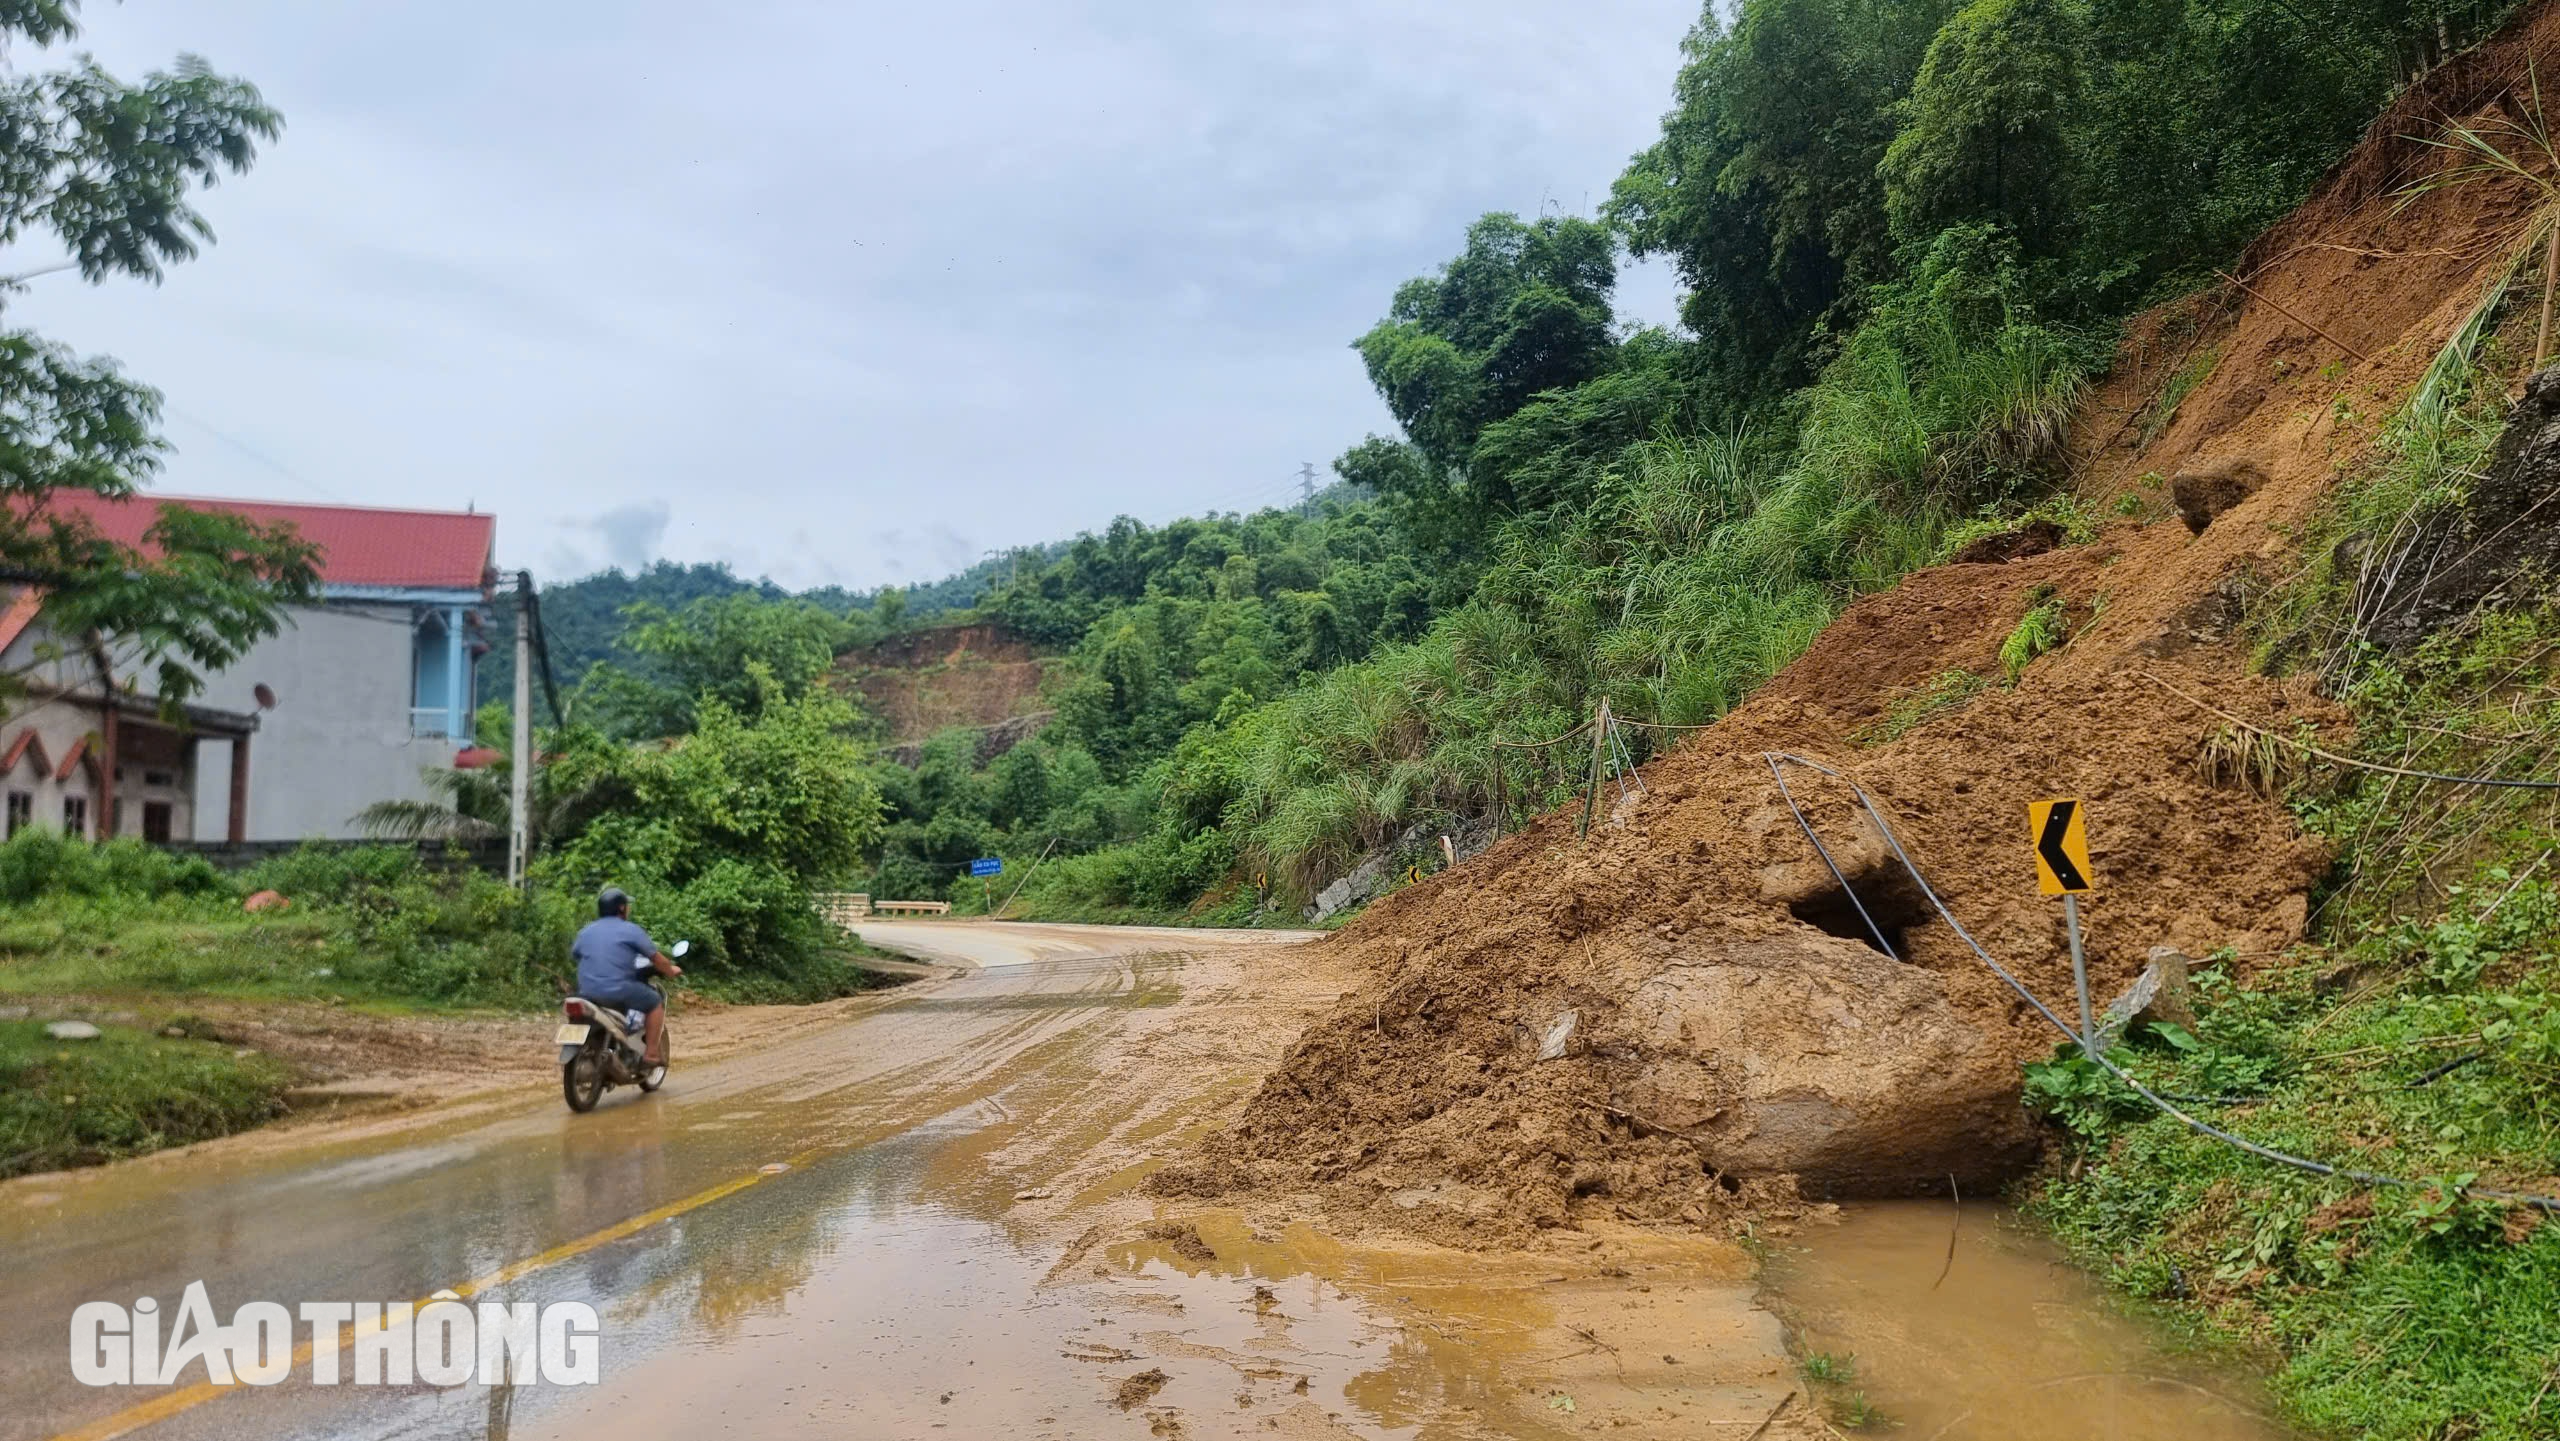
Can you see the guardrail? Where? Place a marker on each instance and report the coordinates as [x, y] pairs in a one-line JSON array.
[[842, 908], [912, 908]]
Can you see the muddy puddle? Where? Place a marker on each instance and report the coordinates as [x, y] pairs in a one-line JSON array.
[[863, 1298], [2006, 1342]]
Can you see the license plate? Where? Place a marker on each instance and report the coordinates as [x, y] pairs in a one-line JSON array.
[[570, 1035]]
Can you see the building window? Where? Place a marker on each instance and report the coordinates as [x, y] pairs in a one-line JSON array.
[[155, 822], [159, 778], [22, 809], [75, 816]]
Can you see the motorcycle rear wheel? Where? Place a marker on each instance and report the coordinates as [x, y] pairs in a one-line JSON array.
[[582, 1080]]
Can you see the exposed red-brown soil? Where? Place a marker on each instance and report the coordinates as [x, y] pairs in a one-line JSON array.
[[925, 681], [1732, 1027]]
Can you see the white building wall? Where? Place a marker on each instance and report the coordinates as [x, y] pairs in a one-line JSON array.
[[59, 726], [338, 738]]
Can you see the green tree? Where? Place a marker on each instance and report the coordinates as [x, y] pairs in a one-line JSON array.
[[889, 610], [1763, 188], [107, 169], [1522, 310], [1985, 131], [723, 834], [1021, 777], [737, 649]]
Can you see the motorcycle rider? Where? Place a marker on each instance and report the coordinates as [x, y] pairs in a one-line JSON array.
[[608, 950]]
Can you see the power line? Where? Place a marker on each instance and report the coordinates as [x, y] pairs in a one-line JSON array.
[[22, 277], [1265, 496], [251, 451], [532, 599]]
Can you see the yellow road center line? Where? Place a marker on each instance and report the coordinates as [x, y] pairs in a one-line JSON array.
[[187, 1398]]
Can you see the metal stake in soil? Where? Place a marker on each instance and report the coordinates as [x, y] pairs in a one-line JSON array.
[[1599, 753], [2080, 975]]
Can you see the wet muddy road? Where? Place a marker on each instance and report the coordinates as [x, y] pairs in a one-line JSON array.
[[686, 1217], [916, 1215], [915, 1219]]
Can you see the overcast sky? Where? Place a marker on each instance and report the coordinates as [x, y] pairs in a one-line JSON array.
[[836, 292]]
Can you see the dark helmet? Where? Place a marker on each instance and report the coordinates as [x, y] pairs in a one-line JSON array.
[[611, 902]]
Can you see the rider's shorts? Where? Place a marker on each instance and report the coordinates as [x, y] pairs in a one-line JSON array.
[[624, 996]]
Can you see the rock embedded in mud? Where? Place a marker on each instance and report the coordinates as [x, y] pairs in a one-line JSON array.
[[1552, 1046], [2205, 490], [2158, 995], [1815, 1056], [72, 1031]]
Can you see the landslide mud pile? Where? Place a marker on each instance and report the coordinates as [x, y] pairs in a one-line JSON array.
[[1732, 1025]]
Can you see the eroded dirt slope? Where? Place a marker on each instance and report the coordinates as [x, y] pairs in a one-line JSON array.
[[924, 681], [1733, 1028]]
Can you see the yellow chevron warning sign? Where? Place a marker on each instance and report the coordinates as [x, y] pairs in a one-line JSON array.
[[2062, 847]]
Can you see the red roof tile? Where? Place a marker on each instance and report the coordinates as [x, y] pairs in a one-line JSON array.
[[359, 545], [27, 741], [22, 611]]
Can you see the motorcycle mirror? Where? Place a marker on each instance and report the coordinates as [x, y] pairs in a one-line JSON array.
[[681, 948]]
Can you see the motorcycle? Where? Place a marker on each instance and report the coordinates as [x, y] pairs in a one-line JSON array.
[[601, 1048]]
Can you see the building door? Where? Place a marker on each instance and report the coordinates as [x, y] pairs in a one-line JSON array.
[[155, 822]]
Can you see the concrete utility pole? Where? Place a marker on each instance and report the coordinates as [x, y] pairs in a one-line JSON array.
[[1306, 487], [520, 769]]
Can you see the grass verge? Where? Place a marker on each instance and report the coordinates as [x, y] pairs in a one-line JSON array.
[[76, 1103]]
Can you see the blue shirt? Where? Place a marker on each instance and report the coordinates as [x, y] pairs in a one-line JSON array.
[[609, 952]]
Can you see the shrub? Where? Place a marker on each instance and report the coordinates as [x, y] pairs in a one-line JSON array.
[[37, 862]]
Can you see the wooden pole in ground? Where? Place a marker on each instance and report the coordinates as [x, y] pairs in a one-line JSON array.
[[1599, 751], [1026, 878], [2550, 278]]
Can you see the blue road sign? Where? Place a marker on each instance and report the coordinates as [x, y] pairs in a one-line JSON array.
[[986, 866]]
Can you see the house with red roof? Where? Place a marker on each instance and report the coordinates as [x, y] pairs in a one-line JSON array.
[[354, 701]]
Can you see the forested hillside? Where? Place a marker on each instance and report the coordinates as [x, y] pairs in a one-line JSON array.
[[586, 619], [1908, 236]]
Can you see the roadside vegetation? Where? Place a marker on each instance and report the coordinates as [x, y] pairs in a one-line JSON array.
[[378, 927], [122, 1093], [2418, 1037]]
